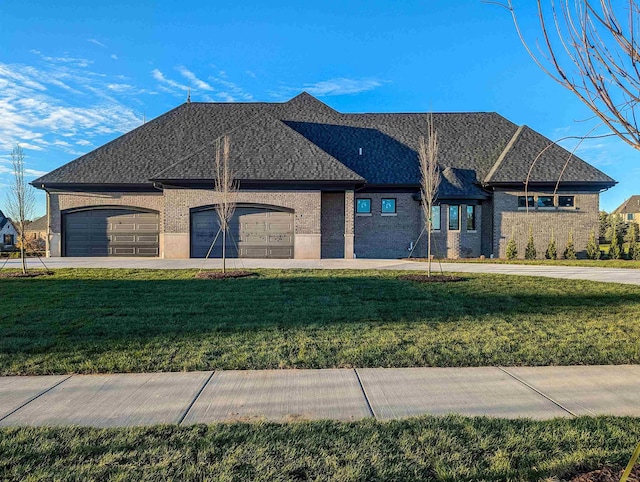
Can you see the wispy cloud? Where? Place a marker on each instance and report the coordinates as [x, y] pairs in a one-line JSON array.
[[229, 91], [97, 42], [196, 82], [114, 56], [165, 84], [341, 86]]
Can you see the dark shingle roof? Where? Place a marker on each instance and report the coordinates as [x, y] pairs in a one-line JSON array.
[[37, 225], [631, 205], [304, 139], [264, 148]]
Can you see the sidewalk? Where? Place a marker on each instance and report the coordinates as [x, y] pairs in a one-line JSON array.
[[607, 275], [342, 394]]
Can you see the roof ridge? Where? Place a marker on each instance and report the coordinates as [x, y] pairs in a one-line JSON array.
[[504, 153]]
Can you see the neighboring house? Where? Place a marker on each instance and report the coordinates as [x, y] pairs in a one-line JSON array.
[[8, 233], [629, 210], [36, 233], [317, 183]]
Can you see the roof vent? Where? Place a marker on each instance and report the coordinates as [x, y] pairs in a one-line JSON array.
[[360, 151]]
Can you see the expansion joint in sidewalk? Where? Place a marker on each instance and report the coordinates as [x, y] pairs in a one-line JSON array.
[[186, 412], [364, 394], [34, 397]]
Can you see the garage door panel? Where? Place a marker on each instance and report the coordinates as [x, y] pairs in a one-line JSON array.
[[258, 232], [111, 232]]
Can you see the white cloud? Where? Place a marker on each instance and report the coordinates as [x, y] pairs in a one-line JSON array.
[[172, 85], [187, 74], [341, 86], [231, 92], [114, 56], [119, 87], [97, 42], [34, 172]]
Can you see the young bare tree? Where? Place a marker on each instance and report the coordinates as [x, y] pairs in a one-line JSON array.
[[591, 48], [226, 188], [430, 180], [20, 199]]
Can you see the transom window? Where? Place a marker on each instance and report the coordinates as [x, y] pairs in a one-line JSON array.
[[566, 201], [471, 218], [363, 206], [454, 217], [545, 202], [435, 218], [388, 206], [529, 202]]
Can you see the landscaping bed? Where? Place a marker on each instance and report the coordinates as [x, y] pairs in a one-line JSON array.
[[110, 320], [451, 449]]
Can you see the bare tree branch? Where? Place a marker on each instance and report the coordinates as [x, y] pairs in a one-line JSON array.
[[430, 180], [226, 188]]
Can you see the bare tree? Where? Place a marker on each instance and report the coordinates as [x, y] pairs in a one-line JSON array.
[[591, 49], [226, 188], [20, 199], [430, 181]]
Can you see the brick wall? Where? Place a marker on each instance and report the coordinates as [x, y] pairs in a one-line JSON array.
[[306, 205], [507, 217]]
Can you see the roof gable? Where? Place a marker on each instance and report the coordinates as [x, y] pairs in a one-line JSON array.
[[631, 205]]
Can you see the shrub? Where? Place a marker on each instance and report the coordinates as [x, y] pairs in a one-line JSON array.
[[634, 246], [530, 251], [593, 251], [615, 250], [512, 248], [552, 252], [570, 250]]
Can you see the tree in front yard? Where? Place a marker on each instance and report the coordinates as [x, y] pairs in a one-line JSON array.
[[632, 239], [430, 181], [512, 247], [530, 250], [226, 188], [570, 250], [593, 251], [552, 252], [20, 200]]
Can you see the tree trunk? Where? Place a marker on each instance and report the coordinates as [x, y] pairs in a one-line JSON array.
[[24, 263], [429, 248], [224, 248]]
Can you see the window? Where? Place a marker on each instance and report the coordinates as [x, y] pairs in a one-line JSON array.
[[8, 239], [566, 201], [454, 217], [521, 203], [629, 216], [471, 218], [435, 218], [388, 206], [363, 206], [545, 201]]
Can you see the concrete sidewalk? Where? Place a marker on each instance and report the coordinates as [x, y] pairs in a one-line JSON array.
[[343, 394], [608, 275]]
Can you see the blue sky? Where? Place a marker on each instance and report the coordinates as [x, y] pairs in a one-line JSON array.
[[74, 75]]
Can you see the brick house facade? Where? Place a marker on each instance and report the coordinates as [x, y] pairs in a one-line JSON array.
[[316, 183]]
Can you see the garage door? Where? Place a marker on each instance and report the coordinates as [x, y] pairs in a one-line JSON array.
[[257, 232], [111, 232]]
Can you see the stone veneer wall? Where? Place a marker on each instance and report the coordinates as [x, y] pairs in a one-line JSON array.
[[507, 217]]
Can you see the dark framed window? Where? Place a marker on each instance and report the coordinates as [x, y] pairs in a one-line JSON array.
[[8, 239], [435, 218], [388, 206], [566, 201], [363, 206], [630, 217], [471, 218], [545, 202], [521, 201], [454, 217]]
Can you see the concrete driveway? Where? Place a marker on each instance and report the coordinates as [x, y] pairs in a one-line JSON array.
[[608, 275], [124, 400]]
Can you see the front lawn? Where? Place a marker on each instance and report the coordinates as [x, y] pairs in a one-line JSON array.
[[100, 321], [589, 263], [449, 449]]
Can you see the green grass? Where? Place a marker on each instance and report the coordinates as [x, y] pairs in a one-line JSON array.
[[450, 449], [591, 263], [100, 321]]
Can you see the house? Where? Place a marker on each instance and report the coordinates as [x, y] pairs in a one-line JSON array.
[[8, 233], [317, 183], [629, 210], [36, 233]]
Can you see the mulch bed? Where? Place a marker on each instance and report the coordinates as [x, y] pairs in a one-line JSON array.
[[221, 275], [28, 274], [434, 278], [607, 475]]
